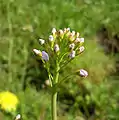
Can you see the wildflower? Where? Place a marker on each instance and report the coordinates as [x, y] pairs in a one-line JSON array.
[[71, 46], [77, 40], [72, 54], [81, 40], [8, 101], [81, 49], [83, 73], [37, 52], [56, 48], [41, 41], [51, 38], [68, 29], [18, 117], [45, 56], [54, 31], [73, 33], [61, 32]]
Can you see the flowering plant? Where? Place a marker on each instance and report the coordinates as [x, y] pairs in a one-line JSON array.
[[60, 49]]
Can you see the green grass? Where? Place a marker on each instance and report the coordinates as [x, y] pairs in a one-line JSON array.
[[22, 22]]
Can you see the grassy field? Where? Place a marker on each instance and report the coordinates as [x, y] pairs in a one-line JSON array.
[[22, 23]]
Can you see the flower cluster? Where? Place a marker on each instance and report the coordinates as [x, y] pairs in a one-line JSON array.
[[66, 44], [8, 101]]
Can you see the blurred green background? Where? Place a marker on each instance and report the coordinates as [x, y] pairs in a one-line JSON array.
[[23, 22]]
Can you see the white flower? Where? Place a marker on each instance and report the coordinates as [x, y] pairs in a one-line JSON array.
[[56, 48], [41, 41], [81, 49], [37, 52], [71, 46], [72, 54], [51, 38], [81, 40], [61, 32], [18, 117], [77, 40], [68, 29], [83, 73], [54, 31], [73, 33]]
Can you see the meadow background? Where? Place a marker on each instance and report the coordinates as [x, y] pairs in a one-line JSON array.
[[23, 22]]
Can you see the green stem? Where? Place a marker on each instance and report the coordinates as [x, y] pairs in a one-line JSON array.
[[54, 94]]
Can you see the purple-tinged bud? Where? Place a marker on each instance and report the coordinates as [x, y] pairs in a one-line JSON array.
[[81, 49], [51, 38], [37, 52], [83, 73], [41, 41], [72, 54], [54, 31], [71, 46], [45, 56], [56, 48]]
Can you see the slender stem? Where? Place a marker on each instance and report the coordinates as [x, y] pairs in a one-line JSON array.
[[54, 95]]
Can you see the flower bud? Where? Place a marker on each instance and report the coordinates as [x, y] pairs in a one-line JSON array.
[[45, 56], [72, 54], [56, 48], [77, 40], [61, 32], [73, 33], [54, 31], [81, 49], [41, 41], [81, 40], [83, 73], [18, 117], [47, 82], [37, 52], [68, 29], [71, 46], [77, 34], [51, 38]]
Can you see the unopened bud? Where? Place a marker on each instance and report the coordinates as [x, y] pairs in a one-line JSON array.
[[37, 52], [41, 41], [56, 48], [54, 31], [68, 29], [81, 40], [83, 73], [47, 82], [77, 34], [61, 32], [51, 38], [18, 117], [73, 33]]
